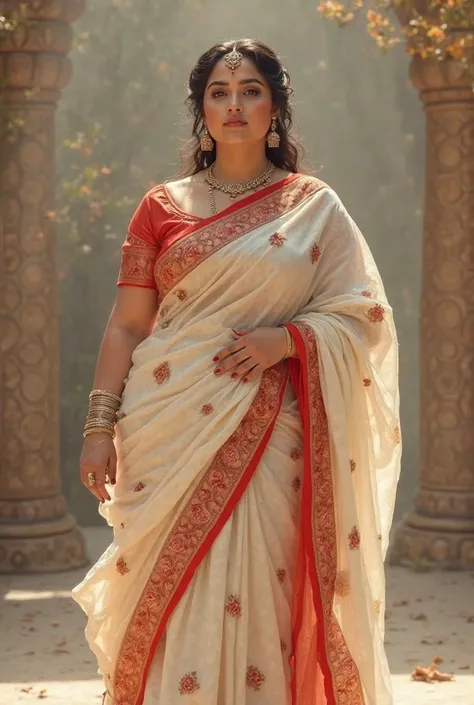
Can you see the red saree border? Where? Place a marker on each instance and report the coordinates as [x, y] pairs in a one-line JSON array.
[[191, 537], [342, 684], [192, 246]]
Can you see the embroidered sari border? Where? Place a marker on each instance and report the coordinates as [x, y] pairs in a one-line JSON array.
[[194, 531], [241, 203], [195, 245], [341, 676]]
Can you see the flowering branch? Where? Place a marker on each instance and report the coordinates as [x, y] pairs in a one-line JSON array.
[[9, 22], [440, 29]]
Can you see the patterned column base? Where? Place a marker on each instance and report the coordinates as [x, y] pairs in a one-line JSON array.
[[42, 548], [433, 545]]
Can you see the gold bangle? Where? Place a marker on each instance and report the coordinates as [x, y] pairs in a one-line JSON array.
[[104, 393], [98, 429], [289, 342], [98, 410], [90, 423]]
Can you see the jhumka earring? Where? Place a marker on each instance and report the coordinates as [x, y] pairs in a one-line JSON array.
[[233, 60], [273, 138], [207, 144]]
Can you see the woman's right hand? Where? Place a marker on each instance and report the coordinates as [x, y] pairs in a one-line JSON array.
[[99, 457]]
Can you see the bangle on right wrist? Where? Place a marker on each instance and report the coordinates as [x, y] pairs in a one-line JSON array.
[[289, 342]]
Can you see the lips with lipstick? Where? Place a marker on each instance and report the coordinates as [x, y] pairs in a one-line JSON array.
[[235, 122]]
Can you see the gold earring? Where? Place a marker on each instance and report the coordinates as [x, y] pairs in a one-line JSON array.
[[207, 144], [273, 138]]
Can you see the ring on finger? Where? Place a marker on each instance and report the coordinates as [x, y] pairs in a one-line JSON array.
[[91, 479]]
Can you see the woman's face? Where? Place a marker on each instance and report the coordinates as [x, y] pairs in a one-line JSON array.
[[237, 108]]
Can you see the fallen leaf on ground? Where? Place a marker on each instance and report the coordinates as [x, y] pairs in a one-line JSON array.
[[437, 660], [464, 667], [30, 653], [42, 694], [430, 642], [470, 620], [401, 603], [430, 674], [419, 617], [55, 624], [27, 689]]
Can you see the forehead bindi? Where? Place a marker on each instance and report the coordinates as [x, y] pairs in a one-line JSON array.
[[246, 71]]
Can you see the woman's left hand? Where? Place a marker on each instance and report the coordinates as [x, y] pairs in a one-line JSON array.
[[253, 352]]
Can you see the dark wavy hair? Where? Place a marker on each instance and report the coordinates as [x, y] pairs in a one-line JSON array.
[[287, 156]]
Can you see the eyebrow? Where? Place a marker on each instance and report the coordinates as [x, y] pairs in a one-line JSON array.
[[242, 83]]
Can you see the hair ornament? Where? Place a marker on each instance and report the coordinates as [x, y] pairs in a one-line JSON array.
[[233, 59]]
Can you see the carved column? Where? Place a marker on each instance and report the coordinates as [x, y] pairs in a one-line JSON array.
[[440, 529], [36, 532]]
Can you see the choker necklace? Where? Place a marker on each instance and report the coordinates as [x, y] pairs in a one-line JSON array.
[[234, 190]]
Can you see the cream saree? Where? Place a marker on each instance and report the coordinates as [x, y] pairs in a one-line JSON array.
[[251, 520]]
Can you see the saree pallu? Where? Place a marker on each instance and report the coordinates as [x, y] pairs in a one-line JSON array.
[[251, 520]]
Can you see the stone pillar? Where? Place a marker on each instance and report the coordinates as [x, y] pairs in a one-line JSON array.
[[440, 529], [36, 532]]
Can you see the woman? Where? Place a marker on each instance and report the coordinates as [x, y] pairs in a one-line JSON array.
[[257, 436]]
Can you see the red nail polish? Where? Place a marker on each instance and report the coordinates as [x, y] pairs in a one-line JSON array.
[[214, 359], [234, 375], [216, 372]]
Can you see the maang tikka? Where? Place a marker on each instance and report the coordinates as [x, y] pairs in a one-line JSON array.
[[233, 60]]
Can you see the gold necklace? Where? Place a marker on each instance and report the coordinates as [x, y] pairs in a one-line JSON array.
[[234, 190]]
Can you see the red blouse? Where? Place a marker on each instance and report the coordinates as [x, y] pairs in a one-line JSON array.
[[155, 220]]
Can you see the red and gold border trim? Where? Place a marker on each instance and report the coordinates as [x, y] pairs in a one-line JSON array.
[[342, 682]]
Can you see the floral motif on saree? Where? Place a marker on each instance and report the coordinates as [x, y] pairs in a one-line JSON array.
[[162, 372], [233, 606], [255, 678], [277, 239], [375, 314], [189, 683], [315, 254]]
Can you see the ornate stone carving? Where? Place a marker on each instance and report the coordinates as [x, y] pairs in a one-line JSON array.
[[440, 531], [36, 533]]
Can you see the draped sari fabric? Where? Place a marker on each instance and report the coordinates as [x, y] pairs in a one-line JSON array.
[[251, 520]]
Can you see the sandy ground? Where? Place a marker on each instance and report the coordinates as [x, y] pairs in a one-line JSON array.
[[43, 653]]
